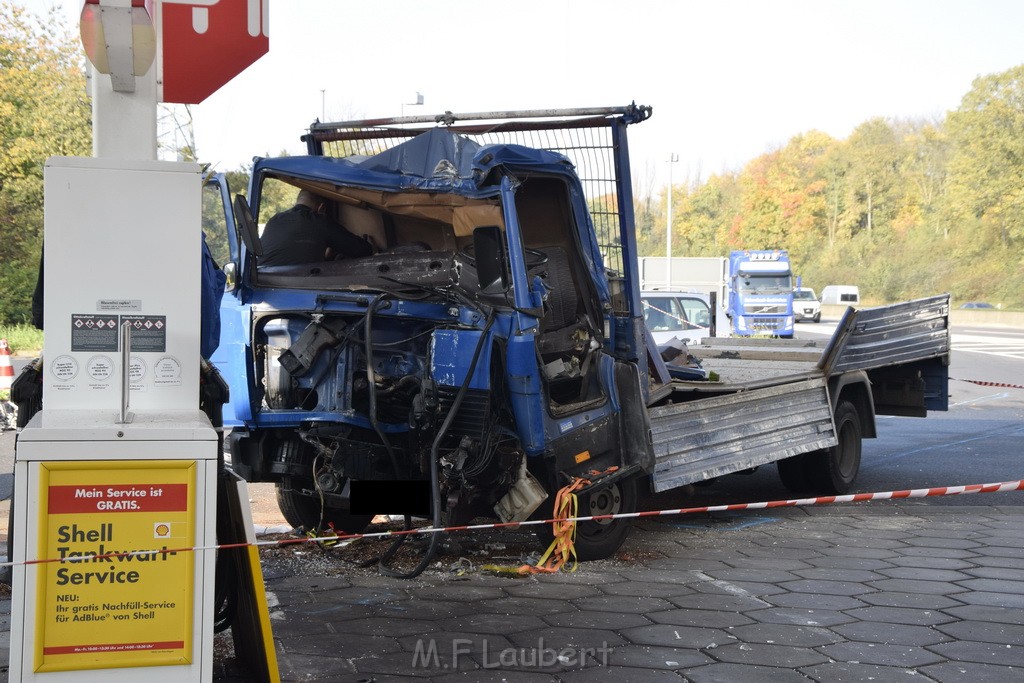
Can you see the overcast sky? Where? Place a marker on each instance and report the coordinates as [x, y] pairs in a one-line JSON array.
[[728, 79]]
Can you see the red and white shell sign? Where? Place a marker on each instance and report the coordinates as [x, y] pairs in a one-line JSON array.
[[206, 43]]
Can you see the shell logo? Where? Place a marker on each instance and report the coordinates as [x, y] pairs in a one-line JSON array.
[[161, 530]]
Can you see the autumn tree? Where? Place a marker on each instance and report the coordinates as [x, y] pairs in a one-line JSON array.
[[926, 168], [904, 208], [44, 111], [782, 198], [705, 214], [834, 171], [645, 211], [987, 164], [873, 179]]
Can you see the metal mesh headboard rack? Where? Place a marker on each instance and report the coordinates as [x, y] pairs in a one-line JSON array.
[[593, 140]]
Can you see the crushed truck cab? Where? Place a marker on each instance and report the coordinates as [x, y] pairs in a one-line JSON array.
[[493, 345], [478, 349]]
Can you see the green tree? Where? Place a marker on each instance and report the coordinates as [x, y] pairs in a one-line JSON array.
[[876, 155], [902, 208], [835, 170], [987, 164], [44, 111], [927, 169]]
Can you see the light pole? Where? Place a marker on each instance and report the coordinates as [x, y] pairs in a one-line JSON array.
[[323, 104], [672, 158]]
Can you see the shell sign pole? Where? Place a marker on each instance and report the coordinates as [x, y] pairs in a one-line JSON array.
[[196, 46], [206, 43]]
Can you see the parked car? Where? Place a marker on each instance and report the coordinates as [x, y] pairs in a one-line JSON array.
[[683, 315], [806, 305], [976, 304]]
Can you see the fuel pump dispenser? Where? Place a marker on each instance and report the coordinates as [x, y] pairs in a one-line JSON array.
[[116, 475]]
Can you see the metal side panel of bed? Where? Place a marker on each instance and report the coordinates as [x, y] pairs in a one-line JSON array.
[[889, 335], [710, 437]]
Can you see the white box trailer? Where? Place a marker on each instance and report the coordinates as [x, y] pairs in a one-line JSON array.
[[704, 274]]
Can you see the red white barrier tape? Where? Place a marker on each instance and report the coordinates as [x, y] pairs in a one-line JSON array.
[[980, 383], [684, 321], [1000, 487]]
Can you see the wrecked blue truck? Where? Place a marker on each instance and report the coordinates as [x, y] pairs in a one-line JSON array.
[[493, 346]]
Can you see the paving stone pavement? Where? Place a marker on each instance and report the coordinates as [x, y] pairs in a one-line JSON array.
[[878, 592]]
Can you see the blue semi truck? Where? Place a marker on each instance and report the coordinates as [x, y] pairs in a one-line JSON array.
[[760, 293], [493, 347]]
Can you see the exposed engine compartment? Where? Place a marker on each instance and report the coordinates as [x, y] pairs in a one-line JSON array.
[[373, 411]]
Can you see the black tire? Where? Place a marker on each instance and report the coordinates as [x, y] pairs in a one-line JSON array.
[[834, 470], [301, 510], [598, 540], [794, 475], [817, 317]]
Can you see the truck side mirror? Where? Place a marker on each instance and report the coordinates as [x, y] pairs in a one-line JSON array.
[[230, 276], [491, 259]]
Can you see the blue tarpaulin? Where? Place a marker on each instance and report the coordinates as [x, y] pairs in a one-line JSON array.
[[434, 159]]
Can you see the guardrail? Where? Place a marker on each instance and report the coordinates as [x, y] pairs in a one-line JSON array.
[[957, 316]]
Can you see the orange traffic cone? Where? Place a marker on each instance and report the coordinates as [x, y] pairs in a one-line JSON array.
[[6, 369]]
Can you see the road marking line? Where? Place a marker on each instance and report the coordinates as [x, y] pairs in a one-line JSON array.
[[897, 456]]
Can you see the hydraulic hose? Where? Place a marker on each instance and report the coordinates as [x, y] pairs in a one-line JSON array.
[[435, 478], [372, 386]]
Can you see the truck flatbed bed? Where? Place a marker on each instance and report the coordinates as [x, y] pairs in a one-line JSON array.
[[770, 398]]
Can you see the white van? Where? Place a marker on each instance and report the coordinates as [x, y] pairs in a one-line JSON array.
[[840, 295]]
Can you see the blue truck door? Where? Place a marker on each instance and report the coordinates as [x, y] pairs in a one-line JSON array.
[[222, 238]]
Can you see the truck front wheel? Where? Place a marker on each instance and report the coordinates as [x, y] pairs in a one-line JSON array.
[[597, 540], [833, 470], [303, 510]]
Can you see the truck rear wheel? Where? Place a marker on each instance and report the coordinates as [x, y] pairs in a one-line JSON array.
[[833, 470], [597, 540], [794, 475], [301, 510]]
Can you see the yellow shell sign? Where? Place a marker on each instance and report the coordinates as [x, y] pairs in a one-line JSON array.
[[123, 593]]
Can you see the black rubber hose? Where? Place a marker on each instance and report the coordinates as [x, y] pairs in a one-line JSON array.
[[435, 479], [372, 386]]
